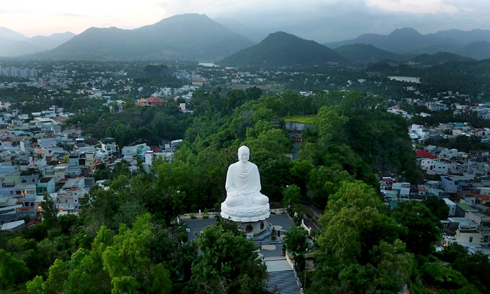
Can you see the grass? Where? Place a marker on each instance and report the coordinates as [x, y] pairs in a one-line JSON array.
[[305, 119]]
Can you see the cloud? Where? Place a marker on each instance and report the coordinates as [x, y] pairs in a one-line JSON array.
[[319, 20], [413, 6]]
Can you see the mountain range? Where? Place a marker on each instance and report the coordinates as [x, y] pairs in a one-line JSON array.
[[197, 37], [188, 36], [15, 44], [407, 41]]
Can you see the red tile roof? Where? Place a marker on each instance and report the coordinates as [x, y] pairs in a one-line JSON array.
[[153, 99], [481, 196], [425, 154]]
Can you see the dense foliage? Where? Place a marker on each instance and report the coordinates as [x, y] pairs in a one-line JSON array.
[[124, 240]]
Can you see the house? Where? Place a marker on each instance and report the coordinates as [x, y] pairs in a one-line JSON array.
[[131, 152], [466, 238], [154, 101], [110, 146], [60, 172], [78, 183], [5, 104], [451, 205], [386, 183], [449, 184], [46, 142], [482, 220], [404, 188], [425, 154], [28, 211], [13, 226], [45, 185], [198, 81], [454, 183], [7, 142], [462, 208]]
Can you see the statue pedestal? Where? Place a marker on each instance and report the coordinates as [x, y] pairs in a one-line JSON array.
[[254, 228], [247, 214], [252, 218]]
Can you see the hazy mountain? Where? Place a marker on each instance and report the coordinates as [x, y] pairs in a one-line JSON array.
[[464, 37], [188, 36], [476, 50], [8, 34], [365, 53], [439, 58], [400, 41], [282, 49], [253, 34], [472, 44], [10, 47]]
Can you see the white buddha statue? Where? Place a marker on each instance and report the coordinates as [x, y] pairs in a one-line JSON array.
[[244, 202]]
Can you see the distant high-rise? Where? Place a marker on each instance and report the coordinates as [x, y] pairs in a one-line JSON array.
[[18, 73]]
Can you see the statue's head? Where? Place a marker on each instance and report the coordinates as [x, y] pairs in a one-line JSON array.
[[243, 154]]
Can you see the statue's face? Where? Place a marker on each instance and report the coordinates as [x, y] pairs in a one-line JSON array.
[[243, 155]]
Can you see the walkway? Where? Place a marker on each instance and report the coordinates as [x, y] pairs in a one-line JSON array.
[[281, 276]]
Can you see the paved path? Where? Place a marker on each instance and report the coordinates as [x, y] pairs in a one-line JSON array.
[[281, 276]]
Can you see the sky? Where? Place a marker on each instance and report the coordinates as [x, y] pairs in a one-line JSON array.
[[319, 20]]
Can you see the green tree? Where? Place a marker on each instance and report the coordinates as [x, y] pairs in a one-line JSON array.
[[49, 211], [228, 263], [437, 207], [12, 270], [424, 229], [57, 275], [324, 181], [87, 274], [35, 286], [300, 174], [291, 195], [359, 250], [128, 261]]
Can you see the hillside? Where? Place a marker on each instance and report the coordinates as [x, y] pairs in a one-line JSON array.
[[188, 36], [476, 50], [365, 53], [439, 58], [283, 49]]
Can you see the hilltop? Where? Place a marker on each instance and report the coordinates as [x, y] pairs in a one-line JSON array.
[[283, 49]]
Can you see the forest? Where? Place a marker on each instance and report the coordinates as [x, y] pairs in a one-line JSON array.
[[125, 239]]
